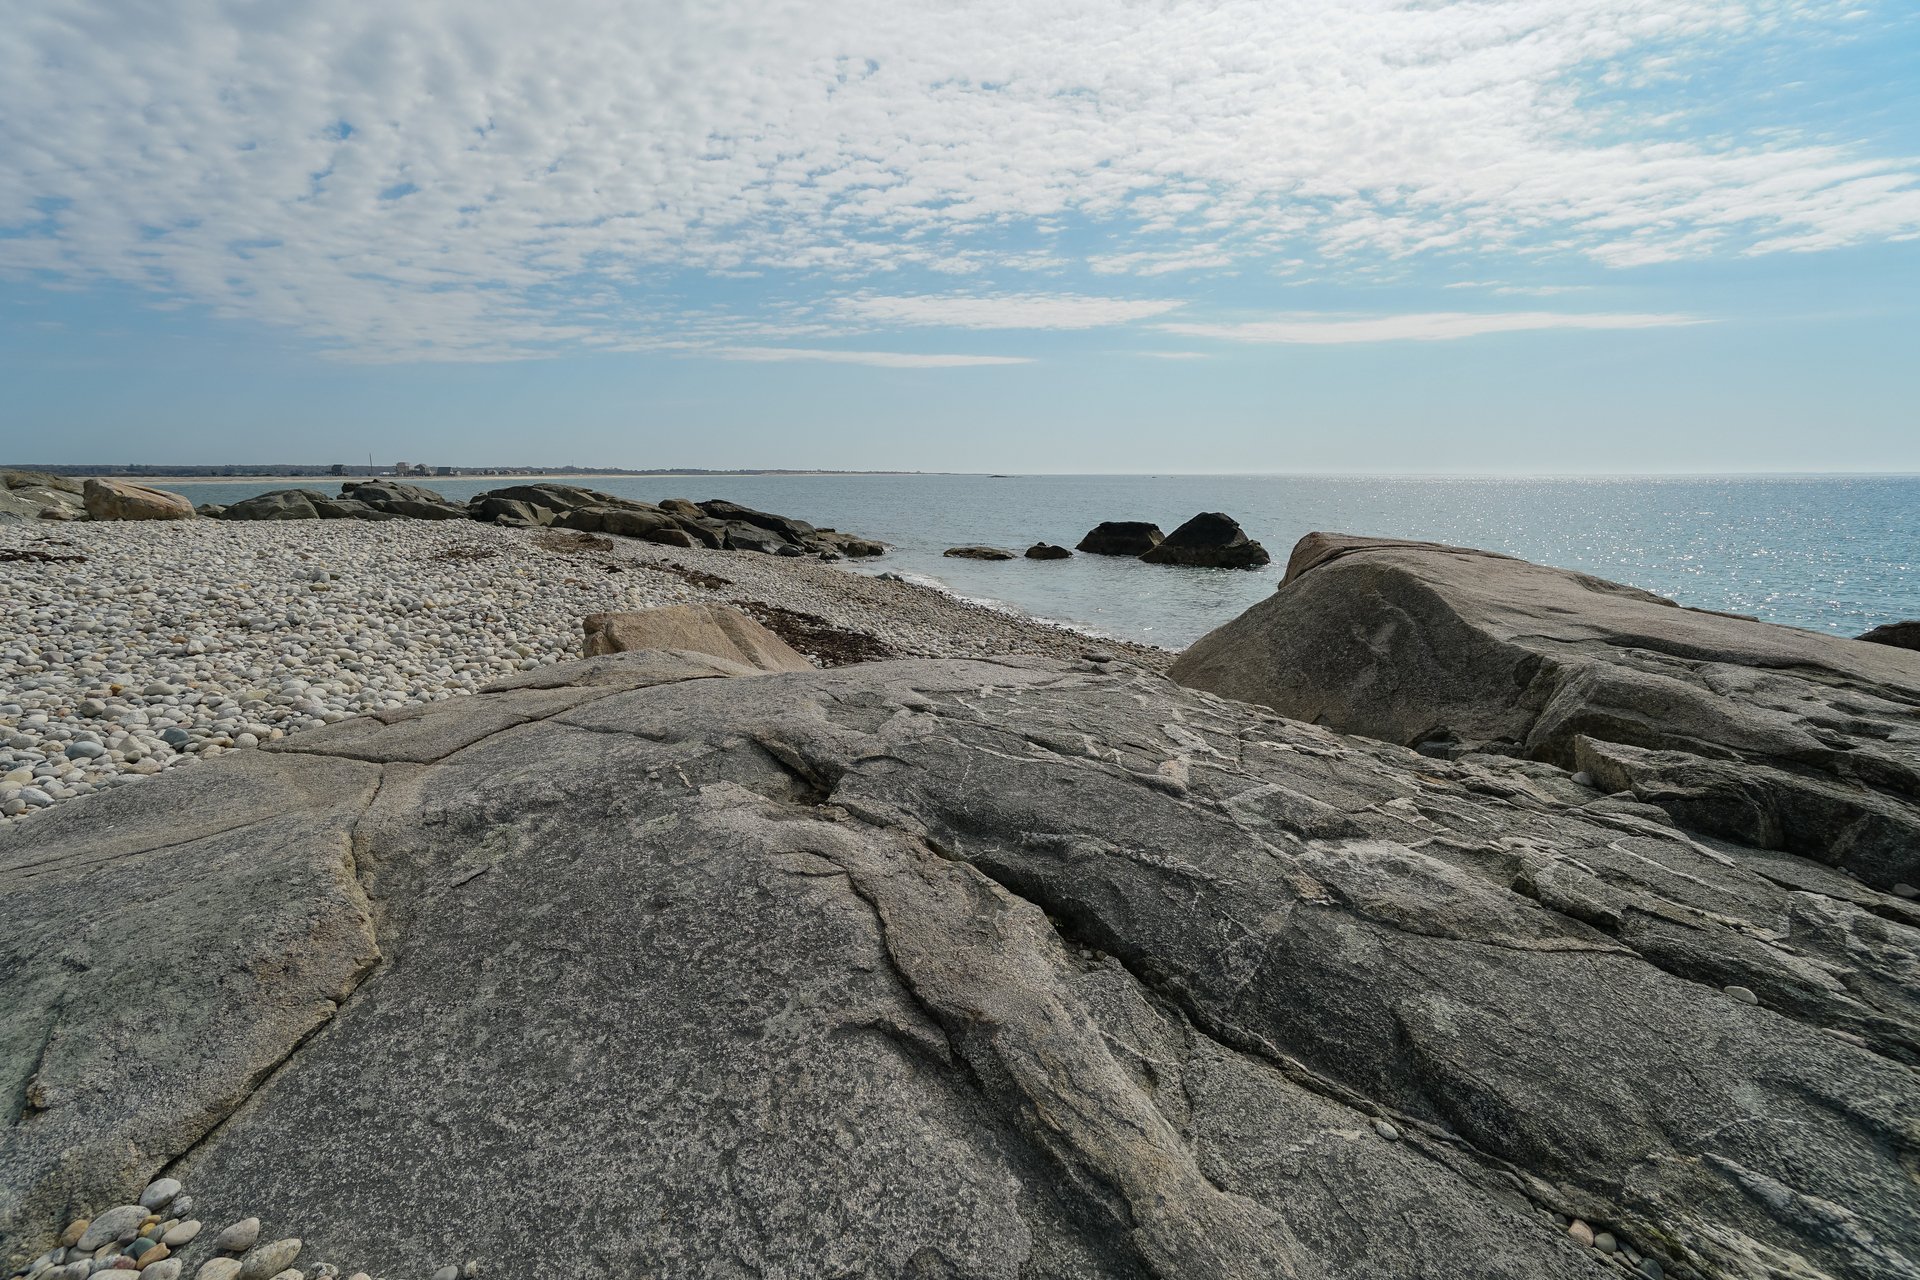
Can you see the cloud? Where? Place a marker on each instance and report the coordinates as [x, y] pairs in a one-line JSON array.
[[1319, 329], [879, 359], [1002, 311], [449, 180]]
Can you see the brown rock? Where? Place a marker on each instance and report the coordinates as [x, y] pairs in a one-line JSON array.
[[124, 500], [700, 628], [1901, 635], [1047, 551]]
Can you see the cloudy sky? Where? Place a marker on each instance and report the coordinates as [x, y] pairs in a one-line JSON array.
[[1071, 235]]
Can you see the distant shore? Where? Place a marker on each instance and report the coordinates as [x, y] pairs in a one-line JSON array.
[[504, 478]]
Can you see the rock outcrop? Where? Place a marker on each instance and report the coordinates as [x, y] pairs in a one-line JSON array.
[[1121, 538], [39, 495], [1774, 736], [714, 630], [939, 969], [124, 500], [1901, 635], [1047, 551], [1211, 540], [979, 553], [393, 498]]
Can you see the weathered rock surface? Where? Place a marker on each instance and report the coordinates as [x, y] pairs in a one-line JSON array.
[[411, 500], [1121, 538], [979, 553], [39, 495], [937, 969], [1774, 736], [711, 629], [124, 500], [1211, 540], [1901, 635], [277, 504]]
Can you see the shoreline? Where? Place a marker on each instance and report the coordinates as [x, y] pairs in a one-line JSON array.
[[555, 477], [143, 646]]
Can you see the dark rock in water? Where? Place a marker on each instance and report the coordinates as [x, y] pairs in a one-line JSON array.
[[277, 504], [1210, 540], [1901, 635], [937, 969], [1773, 736], [979, 553], [411, 500], [1121, 538], [1047, 551]]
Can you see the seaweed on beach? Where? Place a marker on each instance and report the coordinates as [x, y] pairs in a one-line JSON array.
[[710, 581], [31, 555], [467, 551], [818, 638]]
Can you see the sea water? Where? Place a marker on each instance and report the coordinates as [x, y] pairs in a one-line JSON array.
[[1835, 553]]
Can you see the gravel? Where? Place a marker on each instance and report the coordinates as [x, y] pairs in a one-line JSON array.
[[172, 642]]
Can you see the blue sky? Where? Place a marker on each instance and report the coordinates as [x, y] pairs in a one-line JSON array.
[[1045, 235]]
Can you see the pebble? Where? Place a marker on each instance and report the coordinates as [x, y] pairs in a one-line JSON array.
[[158, 1253], [165, 1269], [218, 1269], [139, 1248], [269, 1260], [447, 1273], [193, 637], [1905, 890], [1651, 1269], [1743, 994], [291, 1274], [1582, 1233], [239, 1237], [115, 1225], [1605, 1242], [75, 1229], [183, 1233], [1386, 1130]]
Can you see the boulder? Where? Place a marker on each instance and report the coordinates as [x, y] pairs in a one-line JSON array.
[[513, 512], [1774, 736], [351, 509], [1047, 551], [937, 969], [1121, 538], [279, 504], [42, 480], [124, 500], [15, 509], [847, 544], [796, 532], [411, 500], [1901, 635], [711, 629], [979, 553], [1210, 540], [637, 520]]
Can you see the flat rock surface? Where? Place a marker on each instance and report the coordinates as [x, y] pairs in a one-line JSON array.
[[953, 968], [1775, 736]]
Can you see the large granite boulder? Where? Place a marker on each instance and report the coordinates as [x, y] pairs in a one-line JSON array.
[[714, 630], [278, 504], [796, 532], [1121, 538], [942, 969], [40, 495], [394, 498], [125, 500], [1778, 737], [42, 480], [1211, 540]]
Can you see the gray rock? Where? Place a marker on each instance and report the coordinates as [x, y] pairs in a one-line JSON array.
[[84, 750], [183, 1233], [160, 1193], [1605, 1243], [165, 1269], [1048, 551], [447, 1273], [979, 553], [1774, 737], [949, 968], [1743, 994], [1121, 538], [1211, 540], [269, 1260], [218, 1269], [125, 500], [112, 1227], [393, 498], [279, 504]]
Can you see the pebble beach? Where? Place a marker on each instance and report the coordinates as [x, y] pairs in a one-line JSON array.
[[134, 647]]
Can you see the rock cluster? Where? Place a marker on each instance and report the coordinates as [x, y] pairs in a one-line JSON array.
[[1773, 736], [1210, 540], [38, 495], [949, 968]]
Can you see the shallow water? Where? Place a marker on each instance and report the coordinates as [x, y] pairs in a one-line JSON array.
[[1835, 553]]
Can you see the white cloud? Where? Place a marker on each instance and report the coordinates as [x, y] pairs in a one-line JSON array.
[[879, 359], [250, 158], [1002, 311], [1318, 329]]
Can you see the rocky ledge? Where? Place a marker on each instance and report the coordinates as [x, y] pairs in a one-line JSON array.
[[652, 964]]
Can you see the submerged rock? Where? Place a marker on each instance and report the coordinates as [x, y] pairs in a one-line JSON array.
[[1211, 540], [944, 968], [1773, 736], [979, 553]]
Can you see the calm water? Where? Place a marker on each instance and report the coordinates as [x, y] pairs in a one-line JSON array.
[[1838, 554]]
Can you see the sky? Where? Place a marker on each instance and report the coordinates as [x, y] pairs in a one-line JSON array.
[[1001, 235]]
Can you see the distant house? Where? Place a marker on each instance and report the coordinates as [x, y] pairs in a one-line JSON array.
[[337, 469]]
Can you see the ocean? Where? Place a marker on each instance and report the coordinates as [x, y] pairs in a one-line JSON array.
[[1834, 553]]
